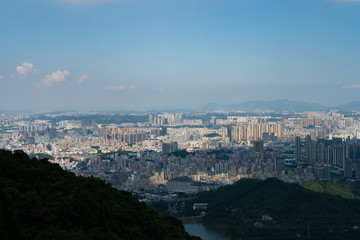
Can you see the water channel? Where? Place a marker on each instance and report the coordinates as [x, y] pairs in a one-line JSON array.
[[197, 229]]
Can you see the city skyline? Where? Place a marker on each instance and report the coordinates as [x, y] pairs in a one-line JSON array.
[[122, 55]]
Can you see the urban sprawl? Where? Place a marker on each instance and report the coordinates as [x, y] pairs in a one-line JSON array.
[[165, 153]]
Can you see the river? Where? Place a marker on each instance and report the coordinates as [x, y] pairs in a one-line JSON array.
[[197, 229]]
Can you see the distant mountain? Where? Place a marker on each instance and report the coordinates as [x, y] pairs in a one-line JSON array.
[[353, 106], [275, 105], [39, 200], [272, 209]]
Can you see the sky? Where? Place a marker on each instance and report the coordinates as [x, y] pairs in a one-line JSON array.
[[145, 54]]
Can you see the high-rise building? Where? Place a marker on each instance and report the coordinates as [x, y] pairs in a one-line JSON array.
[[229, 132], [168, 148], [224, 133], [313, 154], [258, 146], [321, 152], [322, 171], [308, 148], [352, 168], [348, 173], [163, 131], [279, 165], [297, 149]]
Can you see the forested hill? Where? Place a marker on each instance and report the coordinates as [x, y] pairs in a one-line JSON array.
[[343, 188], [289, 210], [38, 200]]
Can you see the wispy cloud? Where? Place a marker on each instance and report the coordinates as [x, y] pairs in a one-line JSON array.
[[83, 2], [1, 77], [132, 86], [55, 77], [115, 87], [25, 69], [83, 78], [352, 86]]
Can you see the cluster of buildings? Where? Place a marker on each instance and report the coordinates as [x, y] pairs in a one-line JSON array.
[[245, 132], [323, 153], [178, 152], [127, 135], [166, 119]]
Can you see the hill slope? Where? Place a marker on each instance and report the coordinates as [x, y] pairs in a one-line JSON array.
[[38, 200], [238, 207], [344, 189]]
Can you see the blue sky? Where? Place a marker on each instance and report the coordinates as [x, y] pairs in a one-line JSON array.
[[142, 54]]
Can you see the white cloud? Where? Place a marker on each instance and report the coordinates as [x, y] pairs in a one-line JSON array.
[[83, 78], [352, 86], [26, 69], [115, 87], [82, 2], [132, 86], [58, 76]]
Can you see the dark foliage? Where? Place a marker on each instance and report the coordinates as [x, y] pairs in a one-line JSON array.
[[212, 135], [110, 154], [236, 208], [181, 153], [41, 156], [38, 200], [161, 207]]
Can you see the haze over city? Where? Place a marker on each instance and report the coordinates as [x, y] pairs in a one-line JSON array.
[[135, 54]]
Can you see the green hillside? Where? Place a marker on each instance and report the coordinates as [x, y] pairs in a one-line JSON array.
[[235, 209], [345, 189], [38, 200]]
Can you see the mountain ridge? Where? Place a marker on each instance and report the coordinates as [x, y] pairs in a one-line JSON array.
[[280, 106]]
